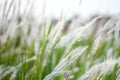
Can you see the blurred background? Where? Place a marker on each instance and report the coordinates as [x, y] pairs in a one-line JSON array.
[[68, 8], [84, 8]]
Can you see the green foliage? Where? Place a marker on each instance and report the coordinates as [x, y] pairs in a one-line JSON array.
[[49, 59]]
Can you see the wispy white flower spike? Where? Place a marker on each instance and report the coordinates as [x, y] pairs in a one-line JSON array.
[[99, 69], [55, 34], [66, 62], [13, 76]]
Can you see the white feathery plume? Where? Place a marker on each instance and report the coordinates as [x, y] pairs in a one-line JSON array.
[[10, 31], [19, 65], [53, 74], [110, 24], [78, 33], [116, 34], [71, 57], [84, 32], [7, 70], [99, 69], [104, 33], [55, 33]]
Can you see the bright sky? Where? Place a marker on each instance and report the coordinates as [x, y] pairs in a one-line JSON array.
[[71, 7]]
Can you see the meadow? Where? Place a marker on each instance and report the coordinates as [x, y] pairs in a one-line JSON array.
[[49, 49]]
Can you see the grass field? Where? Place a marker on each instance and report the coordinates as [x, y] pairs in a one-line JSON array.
[[32, 50]]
